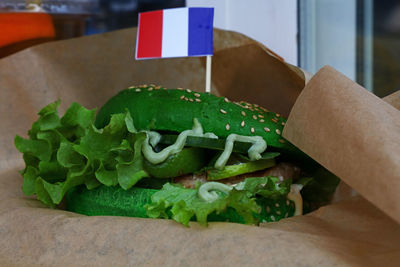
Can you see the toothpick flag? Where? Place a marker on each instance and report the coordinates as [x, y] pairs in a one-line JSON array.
[[177, 32]]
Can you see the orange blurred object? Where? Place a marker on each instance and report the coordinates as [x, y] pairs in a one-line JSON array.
[[17, 27], [21, 30]]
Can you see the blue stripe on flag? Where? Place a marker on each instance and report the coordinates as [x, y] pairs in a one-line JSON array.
[[200, 31]]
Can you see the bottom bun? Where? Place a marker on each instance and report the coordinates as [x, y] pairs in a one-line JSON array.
[[115, 201]]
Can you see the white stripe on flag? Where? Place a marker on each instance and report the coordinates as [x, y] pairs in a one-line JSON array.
[[175, 32]]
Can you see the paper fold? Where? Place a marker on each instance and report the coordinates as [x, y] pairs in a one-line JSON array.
[[352, 133]]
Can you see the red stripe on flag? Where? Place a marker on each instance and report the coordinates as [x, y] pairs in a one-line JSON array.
[[150, 34]]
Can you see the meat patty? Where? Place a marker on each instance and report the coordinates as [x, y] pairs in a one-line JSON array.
[[282, 170]]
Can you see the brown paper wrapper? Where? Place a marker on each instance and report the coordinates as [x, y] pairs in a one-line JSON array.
[[91, 69], [393, 99], [353, 133]]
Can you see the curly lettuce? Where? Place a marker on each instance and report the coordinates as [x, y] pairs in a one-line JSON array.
[[63, 152], [184, 204]]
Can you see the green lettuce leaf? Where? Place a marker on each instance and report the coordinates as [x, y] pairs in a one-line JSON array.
[[246, 199], [37, 148], [130, 172], [184, 203], [63, 152], [269, 187], [30, 174]]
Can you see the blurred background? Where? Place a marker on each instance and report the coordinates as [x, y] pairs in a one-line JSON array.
[[360, 38]]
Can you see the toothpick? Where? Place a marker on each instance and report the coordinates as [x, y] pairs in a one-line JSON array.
[[208, 74]]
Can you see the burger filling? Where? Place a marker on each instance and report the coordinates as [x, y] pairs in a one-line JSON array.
[[229, 169]]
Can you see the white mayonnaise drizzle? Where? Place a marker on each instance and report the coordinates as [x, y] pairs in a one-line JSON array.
[[207, 191], [258, 145], [152, 139]]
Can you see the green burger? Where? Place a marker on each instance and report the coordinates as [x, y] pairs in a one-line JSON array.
[[153, 152]]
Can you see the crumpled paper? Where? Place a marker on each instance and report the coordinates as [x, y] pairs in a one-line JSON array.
[[352, 232]]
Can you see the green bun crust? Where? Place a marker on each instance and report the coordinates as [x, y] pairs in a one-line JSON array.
[[115, 201], [156, 108]]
